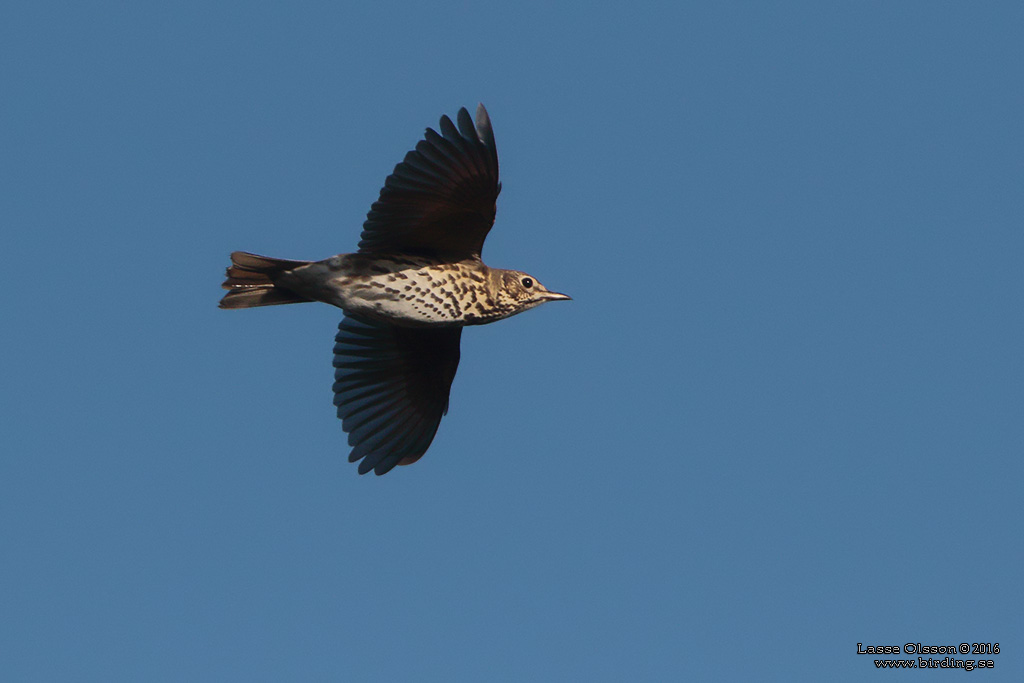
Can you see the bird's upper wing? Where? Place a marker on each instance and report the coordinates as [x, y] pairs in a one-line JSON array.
[[440, 200], [391, 386]]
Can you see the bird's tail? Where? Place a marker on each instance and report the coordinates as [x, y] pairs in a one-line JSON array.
[[251, 281]]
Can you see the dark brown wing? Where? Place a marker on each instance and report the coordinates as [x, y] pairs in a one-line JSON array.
[[391, 386], [440, 200]]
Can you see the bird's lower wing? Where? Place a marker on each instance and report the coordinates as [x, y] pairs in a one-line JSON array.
[[391, 387]]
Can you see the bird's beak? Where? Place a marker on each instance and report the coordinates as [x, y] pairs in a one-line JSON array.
[[555, 296]]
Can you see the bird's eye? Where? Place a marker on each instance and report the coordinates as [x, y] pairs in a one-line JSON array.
[[527, 282]]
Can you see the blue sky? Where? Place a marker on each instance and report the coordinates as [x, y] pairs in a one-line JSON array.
[[782, 415]]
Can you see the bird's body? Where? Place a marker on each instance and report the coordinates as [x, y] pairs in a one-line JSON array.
[[410, 291], [416, 281]]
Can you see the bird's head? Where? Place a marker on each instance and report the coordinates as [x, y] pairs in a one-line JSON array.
[[521, 292]]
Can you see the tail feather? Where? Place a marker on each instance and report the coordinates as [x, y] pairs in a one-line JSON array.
[[251, 281]]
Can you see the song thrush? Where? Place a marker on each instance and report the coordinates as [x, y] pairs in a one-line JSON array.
[[415, 282]]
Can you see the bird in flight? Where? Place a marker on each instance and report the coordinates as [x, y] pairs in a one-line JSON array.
[[415, 282]]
